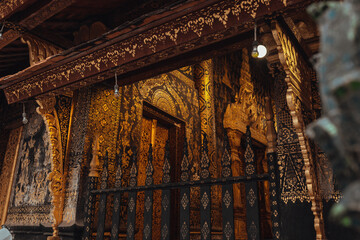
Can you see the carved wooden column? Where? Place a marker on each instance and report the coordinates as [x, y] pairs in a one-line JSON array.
[[47, 110], [298, 97]]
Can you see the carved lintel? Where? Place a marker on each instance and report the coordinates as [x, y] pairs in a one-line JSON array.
[[57, 181], [297, 96]]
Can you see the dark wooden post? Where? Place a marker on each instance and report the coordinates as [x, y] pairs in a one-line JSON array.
[[92, 182], [117, 199], [185, 196], [205, 193], [274, 189], [103, 200], [132, 199], [251, 190], [166, 197], [227, 194], [148, 204]]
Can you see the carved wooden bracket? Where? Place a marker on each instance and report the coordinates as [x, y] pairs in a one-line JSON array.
[[39, 50], [57, 181], [298, 96]]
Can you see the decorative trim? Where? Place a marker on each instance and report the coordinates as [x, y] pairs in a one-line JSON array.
[[8, 170], [57, 182]]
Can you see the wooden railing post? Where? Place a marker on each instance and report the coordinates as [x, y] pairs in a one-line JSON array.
[[103, 200], [205, 193], [251, 190], [166, 197], [92, 182], [131, 213], [185, 196], [227, 194], [148, 203], [117, 199]]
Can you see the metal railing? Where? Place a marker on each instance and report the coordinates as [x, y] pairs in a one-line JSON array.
[[205, 183]]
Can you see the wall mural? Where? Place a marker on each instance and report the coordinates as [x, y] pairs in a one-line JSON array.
[[30, 201]]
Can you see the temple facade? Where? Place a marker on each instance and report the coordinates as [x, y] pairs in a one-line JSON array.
[[154, 119]]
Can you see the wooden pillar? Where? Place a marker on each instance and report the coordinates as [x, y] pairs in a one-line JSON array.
[[297, 78]]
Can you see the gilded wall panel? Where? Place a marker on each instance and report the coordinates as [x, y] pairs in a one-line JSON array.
[[76, 152], [7, 171]]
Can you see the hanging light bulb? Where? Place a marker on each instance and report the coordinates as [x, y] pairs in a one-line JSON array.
[[262, 51], [258, 50], [116, 87], [24, 119]]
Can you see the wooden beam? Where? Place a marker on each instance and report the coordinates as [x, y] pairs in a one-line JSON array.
[[130, 48], [35, 19], [9, 7], [10, 55]]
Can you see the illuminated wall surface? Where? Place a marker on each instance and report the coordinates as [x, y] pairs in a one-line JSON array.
[[118, 122]]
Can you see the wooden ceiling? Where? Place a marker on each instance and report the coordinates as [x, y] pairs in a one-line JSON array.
[[60, 28]]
